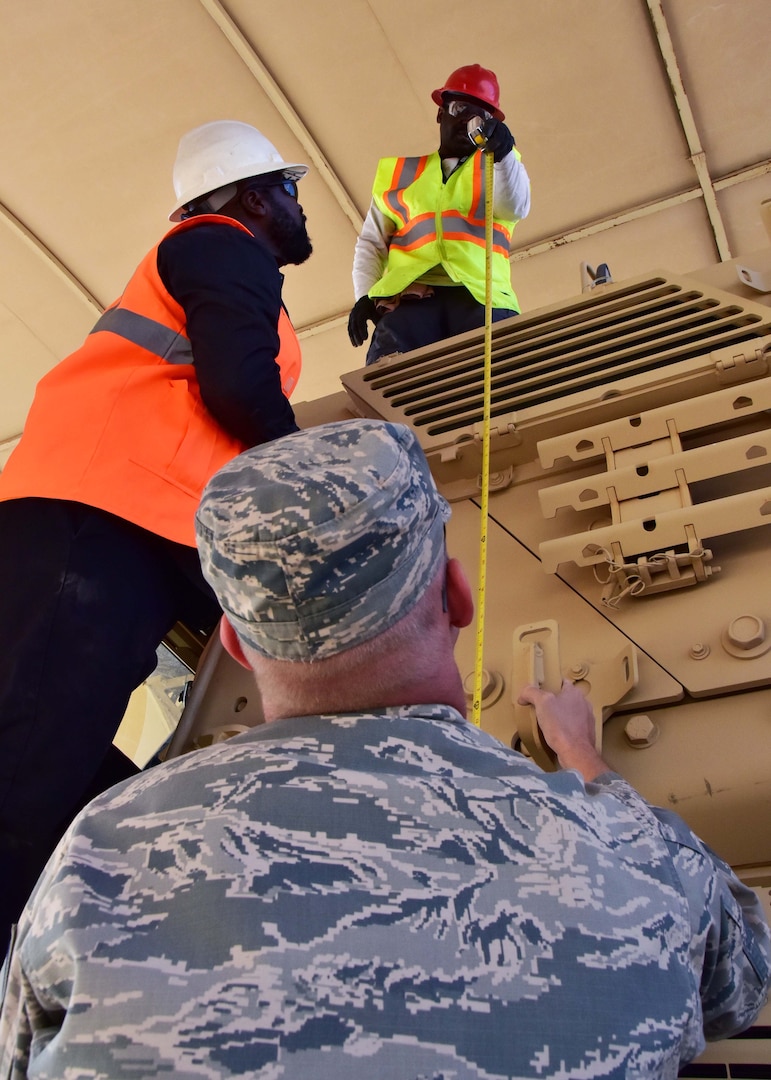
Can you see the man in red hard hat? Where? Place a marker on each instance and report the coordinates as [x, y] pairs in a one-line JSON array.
[[419, 264]]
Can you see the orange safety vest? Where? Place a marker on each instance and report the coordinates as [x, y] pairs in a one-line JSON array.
[[120, 424]]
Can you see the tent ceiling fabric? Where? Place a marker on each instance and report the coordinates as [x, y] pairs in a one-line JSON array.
[[644, 125]]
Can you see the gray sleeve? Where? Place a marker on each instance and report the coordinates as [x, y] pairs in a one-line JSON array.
[[24, 1019], [730, 936], [371, 252], [730, 946], [15, 1025]]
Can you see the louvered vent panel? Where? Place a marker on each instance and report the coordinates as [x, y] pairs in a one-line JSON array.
[[633, 331]]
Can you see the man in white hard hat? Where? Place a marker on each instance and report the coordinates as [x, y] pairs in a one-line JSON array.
[[419, 263], [189, 367]]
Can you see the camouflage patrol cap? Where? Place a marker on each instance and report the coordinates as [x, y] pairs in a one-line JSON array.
[[322, 539]]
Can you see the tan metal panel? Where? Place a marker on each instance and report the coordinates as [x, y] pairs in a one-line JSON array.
[[518, 592], [712, 765], [682, 630], [658, 473], [643, 429], [660, 531]]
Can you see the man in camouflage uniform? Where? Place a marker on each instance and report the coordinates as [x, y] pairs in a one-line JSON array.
[[368, 885]]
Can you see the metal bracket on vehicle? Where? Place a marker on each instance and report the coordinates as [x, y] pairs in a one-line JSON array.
[[654, 538], [536, 660]]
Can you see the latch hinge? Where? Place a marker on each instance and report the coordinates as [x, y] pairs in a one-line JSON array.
[[733, 365]]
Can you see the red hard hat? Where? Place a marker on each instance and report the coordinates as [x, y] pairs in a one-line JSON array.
[[473, 81]]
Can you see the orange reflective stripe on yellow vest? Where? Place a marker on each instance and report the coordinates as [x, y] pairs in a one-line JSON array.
[[119, 424]]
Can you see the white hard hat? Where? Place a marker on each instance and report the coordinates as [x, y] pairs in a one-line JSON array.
[[216, 154]]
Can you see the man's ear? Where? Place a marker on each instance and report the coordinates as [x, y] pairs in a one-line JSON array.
[[439, 112], [232, 643], [255, 201], [460, 604]]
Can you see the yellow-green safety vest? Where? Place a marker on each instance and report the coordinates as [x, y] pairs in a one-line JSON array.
[[441, 223]]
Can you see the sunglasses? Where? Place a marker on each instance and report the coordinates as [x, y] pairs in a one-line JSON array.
[[465, 110], [289, 186]]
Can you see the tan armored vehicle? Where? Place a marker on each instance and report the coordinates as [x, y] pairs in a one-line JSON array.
[[628, 540], [630, 486]]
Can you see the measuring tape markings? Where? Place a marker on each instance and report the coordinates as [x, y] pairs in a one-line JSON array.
[[476, 707]]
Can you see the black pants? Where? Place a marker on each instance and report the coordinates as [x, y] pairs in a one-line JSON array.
[[414, 323], [85, 600]]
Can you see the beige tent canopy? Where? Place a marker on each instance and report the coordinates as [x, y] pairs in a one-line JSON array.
[[644, 125]]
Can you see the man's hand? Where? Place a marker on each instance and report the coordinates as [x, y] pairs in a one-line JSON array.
[[499, 138], [363, 310], [567, 724]]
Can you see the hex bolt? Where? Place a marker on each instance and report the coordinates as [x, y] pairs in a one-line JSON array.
[[699, 650], [489, 684], [578, 671], [746, 632], [640, 731]]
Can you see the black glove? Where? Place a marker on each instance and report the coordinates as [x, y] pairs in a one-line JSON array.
[[499, 138], [364, 309]]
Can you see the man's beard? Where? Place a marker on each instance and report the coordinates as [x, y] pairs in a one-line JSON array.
[[289, 236]]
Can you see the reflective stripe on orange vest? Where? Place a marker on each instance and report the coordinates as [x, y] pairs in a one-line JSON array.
[[147, 333], [120, 424], [172, 347]]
